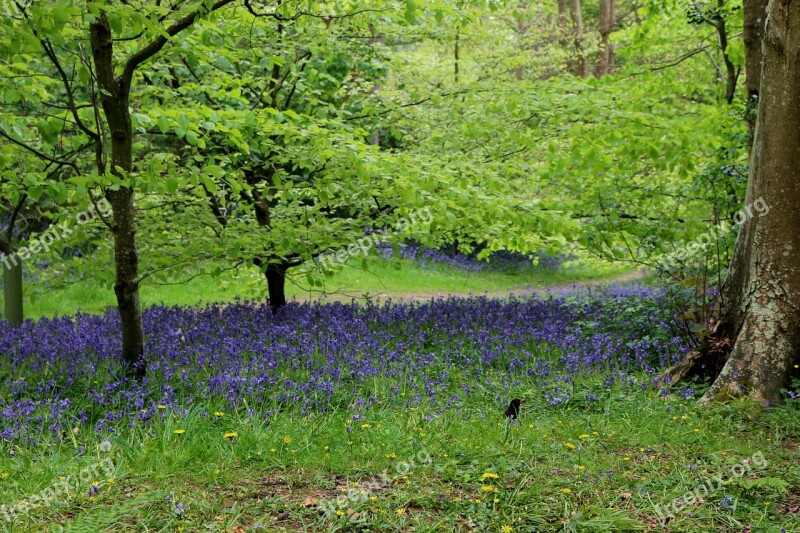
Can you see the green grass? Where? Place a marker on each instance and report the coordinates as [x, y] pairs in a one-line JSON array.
[[396, 472], [401, 279]]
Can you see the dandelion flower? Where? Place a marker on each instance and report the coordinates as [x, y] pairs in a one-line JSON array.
[[488, 488], [506, 529], [287, 439], [179, 431], [489, 475], [566, 490], [218, 414], [160, 406], [401, 511], [570, 446], [584, 436], [365, 426], [391, 455], [231, 435]]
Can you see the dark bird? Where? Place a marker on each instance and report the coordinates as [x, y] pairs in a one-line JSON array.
[[513, 409]]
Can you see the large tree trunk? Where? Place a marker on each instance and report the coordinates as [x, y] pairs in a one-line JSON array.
[[608, 20], [12, 284], [755, 14], [115, 94], [759, 312]]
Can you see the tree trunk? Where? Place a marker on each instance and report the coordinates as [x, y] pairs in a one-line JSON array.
[[276, 284], [522, 29], [760, 311], [755, 14], [563, 31], [456, 54], [608, 20], [115, 94], [581, 68], [732, 73], [12, 284]]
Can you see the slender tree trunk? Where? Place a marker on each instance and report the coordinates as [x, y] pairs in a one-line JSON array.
[[581, 68], [522, 29], [275, 272], [12, 284], [608, 20], [755, 15], [375, 39], [761, 306], [563, 31], [115, 95], [456, 54], [732, 73]]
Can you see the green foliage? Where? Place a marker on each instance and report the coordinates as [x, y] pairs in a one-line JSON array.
[[279, 136]]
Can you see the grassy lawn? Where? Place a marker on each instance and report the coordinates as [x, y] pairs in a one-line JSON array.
[[599, 467], [386, 279]]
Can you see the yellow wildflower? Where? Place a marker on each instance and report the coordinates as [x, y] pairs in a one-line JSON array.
[[231, 435], [179, 431], [489, 475]]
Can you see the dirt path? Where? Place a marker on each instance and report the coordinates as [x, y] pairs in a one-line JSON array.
[[628, 277]]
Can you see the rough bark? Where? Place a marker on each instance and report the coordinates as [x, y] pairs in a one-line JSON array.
[[115, 95], [755, 14], [581, 67], [608, 20], [760, 312]]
